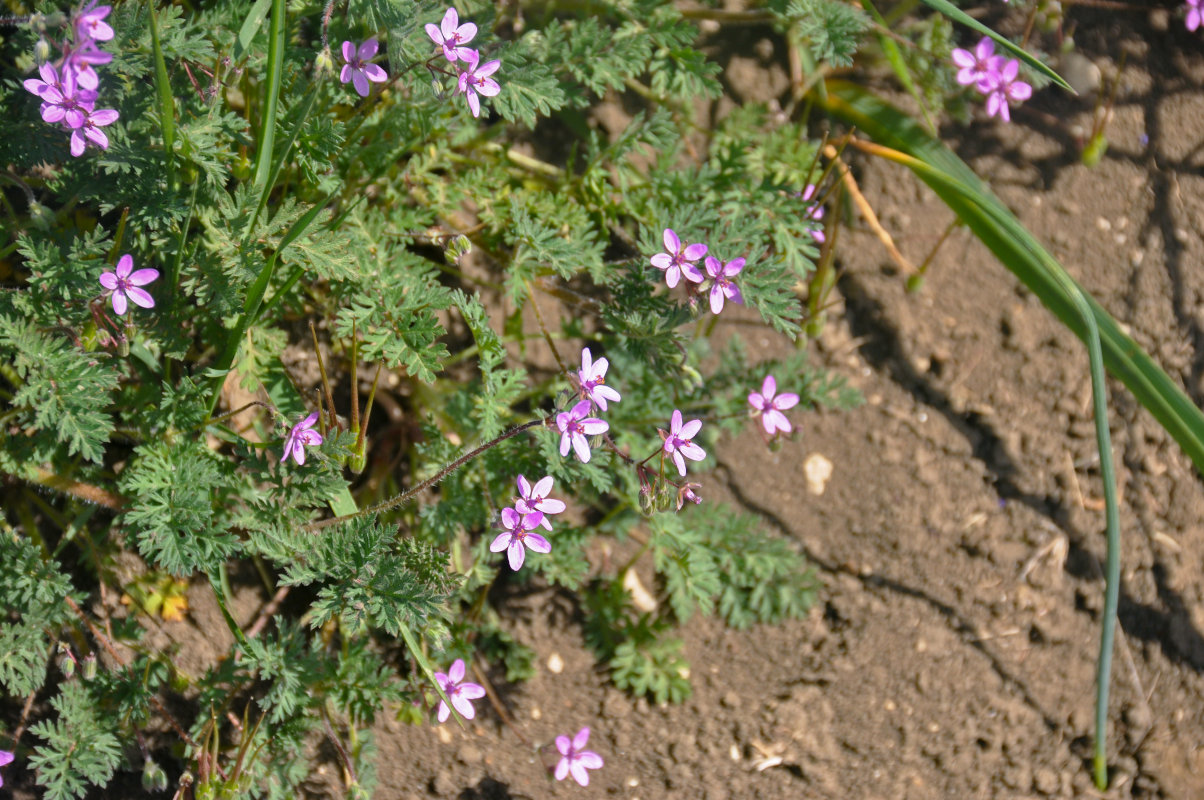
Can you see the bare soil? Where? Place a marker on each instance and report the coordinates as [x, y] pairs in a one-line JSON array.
[[959, 539]]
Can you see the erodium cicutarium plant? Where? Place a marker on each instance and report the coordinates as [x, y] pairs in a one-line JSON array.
[[305, 318]]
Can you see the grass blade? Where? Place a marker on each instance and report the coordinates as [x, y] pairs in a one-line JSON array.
[[957, 15], [167, 102], [1028, 260]]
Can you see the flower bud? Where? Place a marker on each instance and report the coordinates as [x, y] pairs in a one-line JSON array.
[[40, 215], [66, 660], [42, 51], [457, 248], [154, 779], [324, 63], [647, 505], [90, 666]]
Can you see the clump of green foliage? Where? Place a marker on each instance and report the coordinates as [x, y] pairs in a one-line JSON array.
[[443, 266]]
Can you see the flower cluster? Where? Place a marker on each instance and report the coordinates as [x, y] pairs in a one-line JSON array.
[[357, 70], [678, 261], [576, 424], [473, 78], [992, 75], [574, 760], [531, 510], [68, 88]]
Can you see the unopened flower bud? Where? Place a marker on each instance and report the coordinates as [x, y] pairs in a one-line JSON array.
[[66, 660], [40, 215], [154, 779], [123, 341], [42, 51], [324, 63], [90, 666], [457, 248], [647, 504]]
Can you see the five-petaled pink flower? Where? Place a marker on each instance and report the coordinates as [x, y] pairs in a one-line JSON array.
[[769, 406], [476, 81], [459, 691], [976, 66], [721, 282], [678, 444], [535, 498], [574, 426], [63, 100], [6, 758], [1195, 14], [677, 261], [1004, 87], [358, 70], [451, 36], [89, 130], [518, 536], [124, 281], [593, 380], [301, 436], [90, 24], [575, 759]]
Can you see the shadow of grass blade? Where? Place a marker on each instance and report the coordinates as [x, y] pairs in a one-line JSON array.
[[1020, 252]]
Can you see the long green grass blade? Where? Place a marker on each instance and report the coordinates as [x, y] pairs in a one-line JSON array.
[[1016, 248], [957, 15], [271, 100], [166, 101], [250, 27]]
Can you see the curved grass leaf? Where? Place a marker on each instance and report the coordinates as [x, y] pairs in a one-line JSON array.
[[1016, 248]]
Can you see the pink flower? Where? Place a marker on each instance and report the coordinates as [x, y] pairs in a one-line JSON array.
[[123, 282], [535, 498], [976, 66], [301, 436], [459, 691], [770, 407], [686, 492], [722, 287], [62, 99], [518, 536], [677, 260], [678, 444], [451, 36], [574, 426], [476, 81], [6, 758], [358, 70], [814, 212], [90, 24], [1003, 87], [90, 130], [593, 380], [575, 759], [79, 60], [1195, 13]]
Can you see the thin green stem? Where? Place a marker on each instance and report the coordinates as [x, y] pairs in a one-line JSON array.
[[428, 483]]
